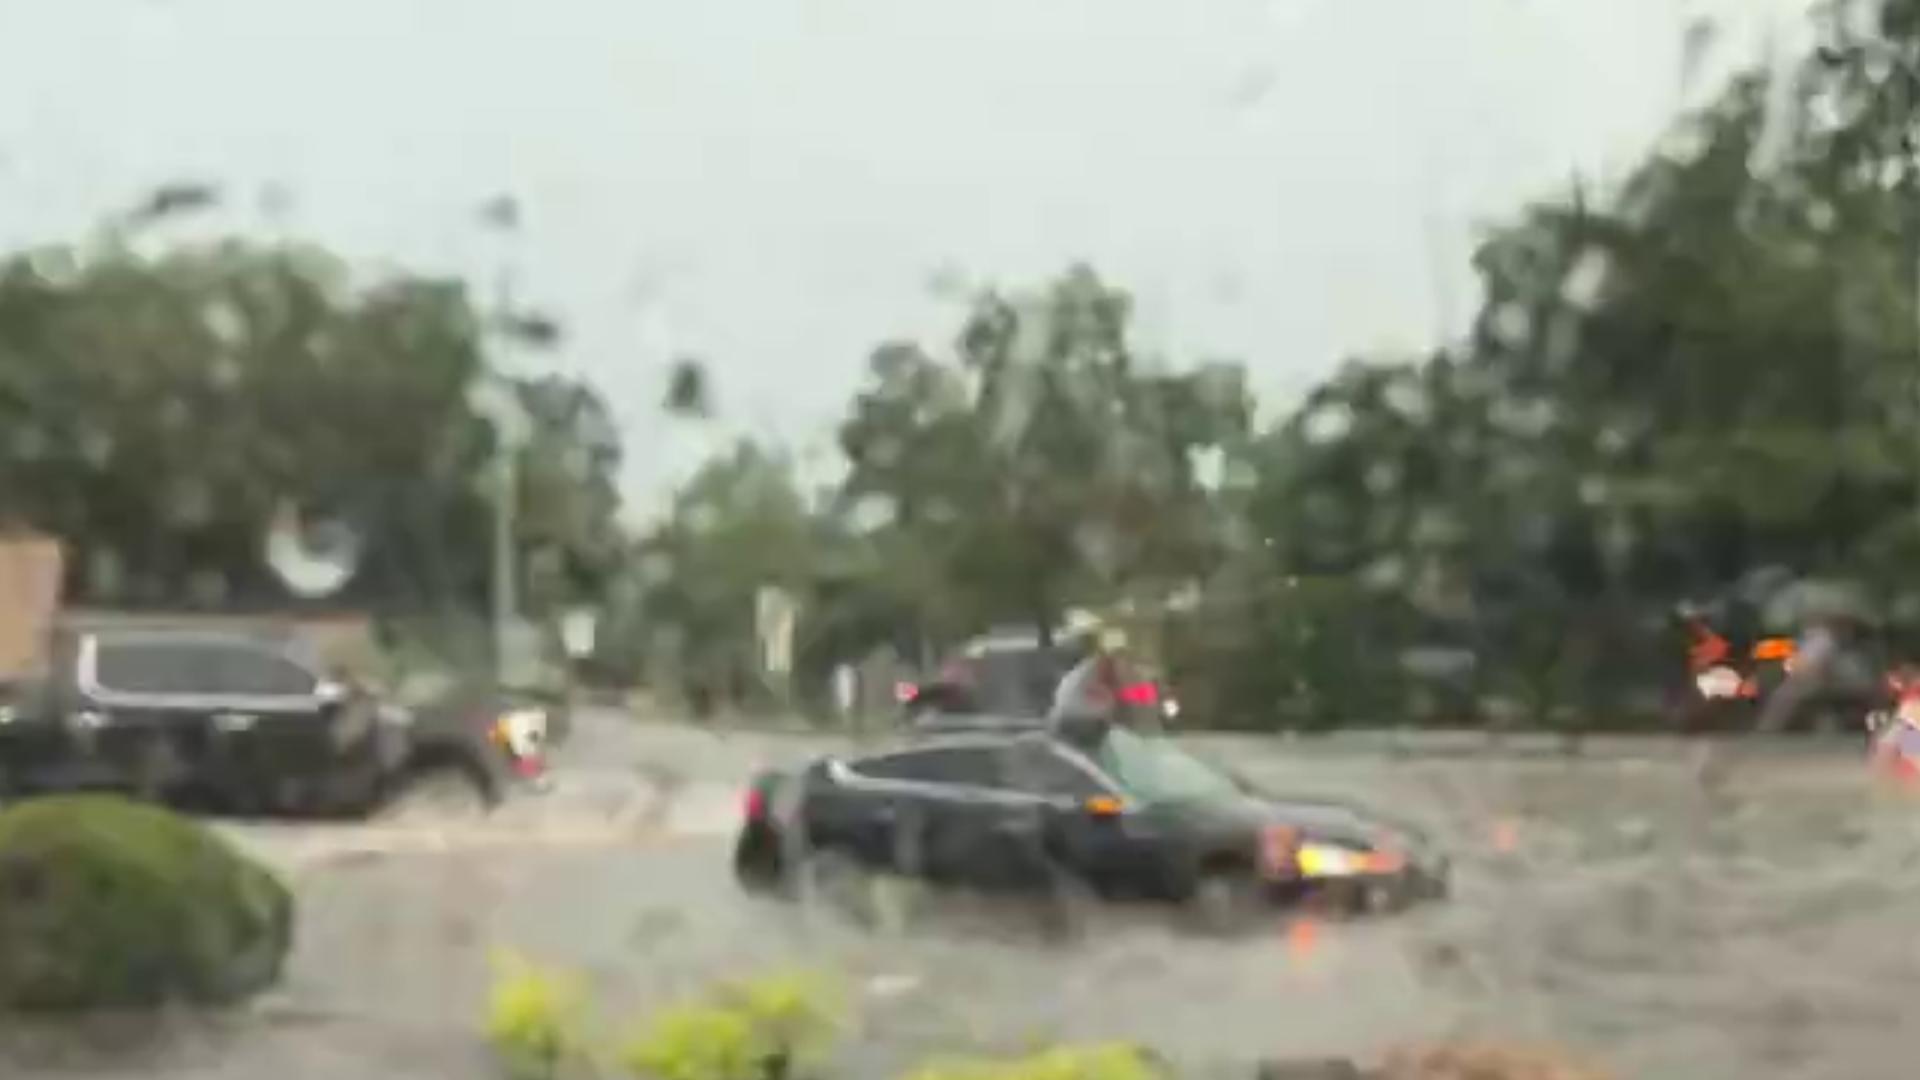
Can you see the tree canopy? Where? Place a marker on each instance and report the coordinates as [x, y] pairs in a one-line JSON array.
[[1708, 371], [159, 411]]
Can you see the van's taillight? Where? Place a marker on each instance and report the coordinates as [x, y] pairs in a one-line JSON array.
[[1144, 693], [904, 692], [756, 805]]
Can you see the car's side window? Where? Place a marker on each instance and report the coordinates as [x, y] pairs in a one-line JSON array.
[[1036, 768], [198, 668], [140, 667], [970, 766], [244, 671]]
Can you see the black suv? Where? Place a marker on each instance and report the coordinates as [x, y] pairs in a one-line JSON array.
[[1090, 806], [249, 724]]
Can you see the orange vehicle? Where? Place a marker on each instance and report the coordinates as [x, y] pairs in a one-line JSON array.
[[1718, 676], [1780, 649]]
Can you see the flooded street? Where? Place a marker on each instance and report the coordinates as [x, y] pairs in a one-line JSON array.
[[1759, 929]]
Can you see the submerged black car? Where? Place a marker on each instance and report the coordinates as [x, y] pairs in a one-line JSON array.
[[1101, 807]]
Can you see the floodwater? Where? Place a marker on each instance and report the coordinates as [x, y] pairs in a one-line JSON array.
[[1760, 926]]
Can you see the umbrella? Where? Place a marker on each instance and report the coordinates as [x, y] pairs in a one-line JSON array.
[[1810, 600], [1759, 585]]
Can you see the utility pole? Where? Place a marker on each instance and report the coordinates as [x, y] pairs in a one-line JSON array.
[[494, 400], [505, 602]]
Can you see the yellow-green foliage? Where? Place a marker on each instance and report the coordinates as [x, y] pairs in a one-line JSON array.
[[750, 1030], [1096, 1062], [536, 1019], [538, 1022], [792, 1013], [696, 1041]]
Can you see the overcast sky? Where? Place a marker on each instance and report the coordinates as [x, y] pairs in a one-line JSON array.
[[776, 185]]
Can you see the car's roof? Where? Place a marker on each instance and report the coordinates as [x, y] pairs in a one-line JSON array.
[[999, 643], [985, 731], [952, 740], [153, 635], [951, 724], [1018, 639], [287, 646]]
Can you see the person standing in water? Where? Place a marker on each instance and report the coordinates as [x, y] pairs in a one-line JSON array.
[[1831, 669], [1096, 687]]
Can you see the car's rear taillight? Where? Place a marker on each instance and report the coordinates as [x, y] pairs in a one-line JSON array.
[[1141, 693], [756, 805], [905, 692]]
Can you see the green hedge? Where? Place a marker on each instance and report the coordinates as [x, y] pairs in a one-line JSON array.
[[110, 903], [784, 1027]]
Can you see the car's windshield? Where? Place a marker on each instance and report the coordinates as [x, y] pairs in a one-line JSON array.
[[1154, 769], [1469, 428]]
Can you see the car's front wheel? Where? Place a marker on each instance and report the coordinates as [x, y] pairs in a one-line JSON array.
[[832, 883], [757, 862], [447, 795], [1226, 899], [1365, 897]]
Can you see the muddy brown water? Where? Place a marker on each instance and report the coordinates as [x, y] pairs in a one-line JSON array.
[[1763, 926]]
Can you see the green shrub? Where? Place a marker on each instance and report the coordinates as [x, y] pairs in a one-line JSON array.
[[768, 1028], [696, 1041], [759, 1029], [1095, 1062], [108, 903], [536, 1020], [782, 1026]]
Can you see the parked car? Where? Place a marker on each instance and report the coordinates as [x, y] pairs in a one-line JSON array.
[[252, 724], [1089, 808]]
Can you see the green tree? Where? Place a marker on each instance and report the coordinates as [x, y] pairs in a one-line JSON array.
[[1047, 464], [160, 410], [1709, 370], [569, 496], [738, 524]]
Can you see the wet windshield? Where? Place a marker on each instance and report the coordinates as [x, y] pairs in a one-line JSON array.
[[1154, 769], [1496, 416]]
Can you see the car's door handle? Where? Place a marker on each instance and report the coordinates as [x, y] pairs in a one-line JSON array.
[[230, 722]]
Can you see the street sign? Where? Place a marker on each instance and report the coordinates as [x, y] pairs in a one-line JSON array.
[[577, 631], [775, 614]]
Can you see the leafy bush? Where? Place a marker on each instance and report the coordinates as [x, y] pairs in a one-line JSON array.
[[536, 1020], [1096, 1062], [782, 1026], [696, 1041], [760, 1029], [106, 902], [767, 1028]]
